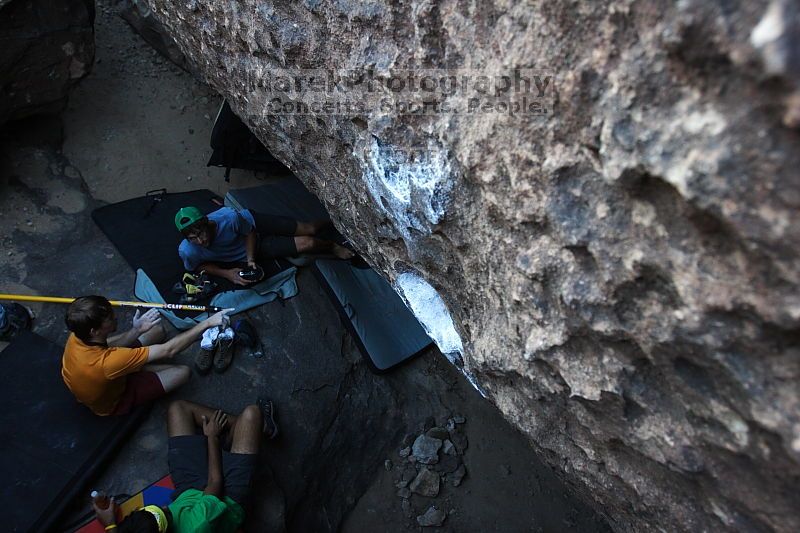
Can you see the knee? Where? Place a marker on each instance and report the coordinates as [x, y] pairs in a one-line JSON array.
[[251, 415], [159, 333], [177, 408]]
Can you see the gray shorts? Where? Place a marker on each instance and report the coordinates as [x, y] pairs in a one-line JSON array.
[[188, 466], [276, 235]]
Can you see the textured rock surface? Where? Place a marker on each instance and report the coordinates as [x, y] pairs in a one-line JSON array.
[[140, 17], [623, 272], [47, 46]]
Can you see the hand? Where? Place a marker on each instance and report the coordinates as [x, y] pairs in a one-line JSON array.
[[220, 319], [144, 323], [252, 265], [234, 277], [213, 427], [108, 515]]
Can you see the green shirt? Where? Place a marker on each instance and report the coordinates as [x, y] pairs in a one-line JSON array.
[[195, 512]]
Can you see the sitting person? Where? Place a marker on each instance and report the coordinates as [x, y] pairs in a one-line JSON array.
[[227, 236], [211, 486], [111, 374]]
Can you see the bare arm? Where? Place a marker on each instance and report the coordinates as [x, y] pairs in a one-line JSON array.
[[179, 342], [212, 429], [250, 246], [142, 323], [124, 339]]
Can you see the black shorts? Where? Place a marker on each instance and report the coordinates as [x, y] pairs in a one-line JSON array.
[[188, 466], [276, 235]]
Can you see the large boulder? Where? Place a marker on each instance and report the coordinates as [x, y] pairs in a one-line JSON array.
[[47, 46], [141, 18], [619, 260]]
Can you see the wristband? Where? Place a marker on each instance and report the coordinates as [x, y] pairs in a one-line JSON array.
[[110, 527]]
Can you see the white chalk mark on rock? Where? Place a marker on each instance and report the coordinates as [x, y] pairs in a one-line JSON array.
[[431, 311]]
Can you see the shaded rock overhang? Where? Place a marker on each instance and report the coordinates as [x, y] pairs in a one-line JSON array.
[[620, 270]]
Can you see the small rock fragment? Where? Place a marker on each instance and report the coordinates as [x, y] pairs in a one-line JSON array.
[[405, 452], [407, 510], [448, 447], [447, 464], [71, 172], [438, 433], [425, 484], [458, 419], [505, 470], [403, 492], [433, 517], [387, 464], [458, 476], [409, 473], [426, 449]]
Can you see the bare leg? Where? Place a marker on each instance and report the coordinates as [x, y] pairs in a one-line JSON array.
[[248, 430], [183, 417], [155, 335], [311, 228], [171, 376], [307, 245]]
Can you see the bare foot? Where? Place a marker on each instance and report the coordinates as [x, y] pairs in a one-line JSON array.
[[342, 253]]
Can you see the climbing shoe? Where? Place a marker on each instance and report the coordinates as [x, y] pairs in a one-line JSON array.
[[204, 359], [224, 354], [194, 287], [268, 413]]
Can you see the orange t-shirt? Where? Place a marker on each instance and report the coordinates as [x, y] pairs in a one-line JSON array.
[[96, 374]]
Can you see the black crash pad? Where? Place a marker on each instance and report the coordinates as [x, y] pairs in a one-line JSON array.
[[143, 231], [51, 446]]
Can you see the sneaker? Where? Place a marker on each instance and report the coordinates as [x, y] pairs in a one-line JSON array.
[[224, 355], [270, 427], [203, 360]]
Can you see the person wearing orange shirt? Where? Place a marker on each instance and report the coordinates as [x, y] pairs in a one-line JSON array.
[[112, 374]]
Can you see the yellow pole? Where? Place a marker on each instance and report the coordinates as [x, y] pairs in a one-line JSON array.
[[116, 303]]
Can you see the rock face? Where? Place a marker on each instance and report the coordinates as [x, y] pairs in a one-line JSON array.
[[47, 47], [140, 17], [619, 260]]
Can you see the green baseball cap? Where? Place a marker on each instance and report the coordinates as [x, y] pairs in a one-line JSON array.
[[187, 216]]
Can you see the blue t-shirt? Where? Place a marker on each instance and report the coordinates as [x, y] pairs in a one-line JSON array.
[[228, 245]]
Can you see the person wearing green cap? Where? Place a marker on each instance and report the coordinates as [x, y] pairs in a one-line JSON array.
[[211, 485], [223, 241]]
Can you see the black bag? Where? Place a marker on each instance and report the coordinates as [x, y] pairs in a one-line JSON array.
[[247, 336], [17, 318]]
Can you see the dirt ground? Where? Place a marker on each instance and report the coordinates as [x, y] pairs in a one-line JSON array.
[[138, 123]]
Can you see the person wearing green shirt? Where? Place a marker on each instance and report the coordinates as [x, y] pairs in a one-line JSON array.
[[211, 485]]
